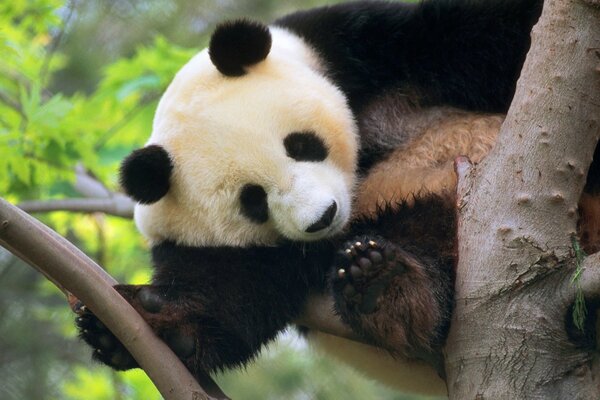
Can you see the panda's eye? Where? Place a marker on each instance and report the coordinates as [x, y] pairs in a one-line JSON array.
[[253, 200], [305, 146]]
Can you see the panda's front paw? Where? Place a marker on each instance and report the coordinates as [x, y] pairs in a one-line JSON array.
[[366, 267], [158, 312], [106, 347]]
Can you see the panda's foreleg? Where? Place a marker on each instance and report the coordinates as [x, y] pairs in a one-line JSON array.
[[183, 319], [215, 307], [393, 298]]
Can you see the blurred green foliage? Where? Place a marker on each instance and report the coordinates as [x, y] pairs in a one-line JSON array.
[[79, 82]]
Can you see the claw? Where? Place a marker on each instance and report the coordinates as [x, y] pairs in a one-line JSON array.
[[341, 272]]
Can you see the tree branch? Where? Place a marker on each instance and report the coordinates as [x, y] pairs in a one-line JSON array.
[[47, 251], [590, 277], [118, 205], [89, 186], [318, 315], [519, 211], [100, 199], [73, 272]]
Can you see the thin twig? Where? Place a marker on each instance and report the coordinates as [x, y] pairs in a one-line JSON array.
[[55, 43], [129, 115], [6, 99], [34, 157]]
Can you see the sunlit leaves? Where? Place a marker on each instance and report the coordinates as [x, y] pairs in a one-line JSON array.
[[152, 68], [40, 128], [43, 135], [142, 84], [104, 384], [30, 117]]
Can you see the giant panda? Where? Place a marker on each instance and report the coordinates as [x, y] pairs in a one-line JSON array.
[[314, 156]]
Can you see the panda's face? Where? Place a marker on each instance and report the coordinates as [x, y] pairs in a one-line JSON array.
[[251, 159]]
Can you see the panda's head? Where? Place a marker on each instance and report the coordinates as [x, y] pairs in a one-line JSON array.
[[250, 144]]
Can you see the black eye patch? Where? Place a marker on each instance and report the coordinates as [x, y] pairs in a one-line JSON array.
[[253, 200], [305, 146]]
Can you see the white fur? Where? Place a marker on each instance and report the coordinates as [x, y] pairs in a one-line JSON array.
[[313, 188], [225, 132]]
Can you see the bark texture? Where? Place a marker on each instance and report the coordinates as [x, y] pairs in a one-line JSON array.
[[517, 217]]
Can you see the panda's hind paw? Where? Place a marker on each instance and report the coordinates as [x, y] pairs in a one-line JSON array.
[[366, 267]]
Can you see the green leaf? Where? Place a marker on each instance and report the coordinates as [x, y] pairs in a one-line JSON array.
[[22, 171], [146, 82], [30, 100], [51, 113]]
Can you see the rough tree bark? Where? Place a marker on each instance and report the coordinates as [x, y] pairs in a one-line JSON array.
[[517, 217]]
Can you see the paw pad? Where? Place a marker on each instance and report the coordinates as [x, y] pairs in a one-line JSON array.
[[151, 301], [368, 266], [107, 348], [183, 345]]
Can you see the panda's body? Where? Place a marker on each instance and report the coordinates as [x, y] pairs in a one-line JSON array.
[[263, 143], [463, 54]]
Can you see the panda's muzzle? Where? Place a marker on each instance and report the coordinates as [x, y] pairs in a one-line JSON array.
[[325, 220]]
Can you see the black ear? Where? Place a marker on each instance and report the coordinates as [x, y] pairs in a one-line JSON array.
[[145, 174], [238, 44]]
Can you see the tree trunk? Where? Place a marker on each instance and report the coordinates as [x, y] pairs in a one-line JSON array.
[[517, 220]]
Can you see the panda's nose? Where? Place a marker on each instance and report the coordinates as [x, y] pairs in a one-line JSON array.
[[325, 220]]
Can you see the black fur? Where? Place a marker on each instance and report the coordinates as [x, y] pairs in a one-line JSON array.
[[145, 174], [466, 53], [254, 205], [233, 300], [305, 146], [406, 297], [592, 184], [239, 44], [462, 53]]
